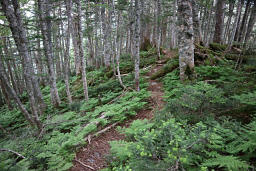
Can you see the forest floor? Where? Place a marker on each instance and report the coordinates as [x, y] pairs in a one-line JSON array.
[[93, 155]]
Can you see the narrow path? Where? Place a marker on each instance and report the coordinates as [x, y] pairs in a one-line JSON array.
[[93, 155]]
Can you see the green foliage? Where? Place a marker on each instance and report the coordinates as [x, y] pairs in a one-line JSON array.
[[136, 128], [172, 144], [217, 47], [229, 162], [195, 102], [12, 119], [167, 68], [247, 98], [66, 127], [198, 138]]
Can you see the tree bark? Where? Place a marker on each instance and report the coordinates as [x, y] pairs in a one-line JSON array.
[[67, 45], [251, 23], [244, 21], [219, 21], [81, 50], [46, 29], [118, 49], [196, 22], [11, 92], [106, 28], [230, 14], [158, 34], [13, 15], [239, 20], [137, 45], [185, 38], [235, 25]]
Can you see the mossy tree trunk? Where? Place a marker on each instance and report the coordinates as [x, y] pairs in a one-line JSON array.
[[185, 38]]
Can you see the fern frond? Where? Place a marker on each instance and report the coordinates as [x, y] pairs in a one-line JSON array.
[[229, 162]]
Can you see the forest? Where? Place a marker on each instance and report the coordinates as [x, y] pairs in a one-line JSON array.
[[128, 85]]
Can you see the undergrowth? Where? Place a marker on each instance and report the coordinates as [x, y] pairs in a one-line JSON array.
[[207, 124], [66, 127]]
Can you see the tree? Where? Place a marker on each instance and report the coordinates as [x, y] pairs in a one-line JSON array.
[[251, 23], [219, 21], [235, 25], [46, 28], [137, 45], [185, 38], [67, 45], [81, 50], [196, 22], [13, 15], [242, 29]]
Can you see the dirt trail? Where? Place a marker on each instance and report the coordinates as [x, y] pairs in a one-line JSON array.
[[93, 155]]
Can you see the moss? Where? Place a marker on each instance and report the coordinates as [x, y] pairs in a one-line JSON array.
[[218, 47], [206, 50], [167, 68], [233, 56]]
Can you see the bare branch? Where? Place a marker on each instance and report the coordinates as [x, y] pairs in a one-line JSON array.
[[14, 152], [87, 166]]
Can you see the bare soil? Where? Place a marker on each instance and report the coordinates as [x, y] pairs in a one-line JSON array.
[[93, 154]]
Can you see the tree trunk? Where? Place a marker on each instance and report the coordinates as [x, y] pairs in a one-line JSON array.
[[185, 38], [106, 34], [137, 44], [13, 15], [235, 25], [158, 34], [46, 29], [244, 21], [230, 14], [7, 99], [67, 44], [173, 28], [4, 83], [118, 49], [251, 23], [219, 21], [196, 22], [208, 25], [239, 20], [81, 50]]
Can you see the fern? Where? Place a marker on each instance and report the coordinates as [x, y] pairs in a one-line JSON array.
[[229, 162]]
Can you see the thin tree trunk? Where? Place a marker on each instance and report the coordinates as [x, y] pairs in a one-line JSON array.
[[235, 25], [81, 50], [106, 34], [137, 44], [196, 22], [208, 26], [4, 83], [44, 7], [158, 34], [67, 44], [251, 23], [239, 21], [230, 14], [244, 21], [118, 49], [13, 15], [5, 94]]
